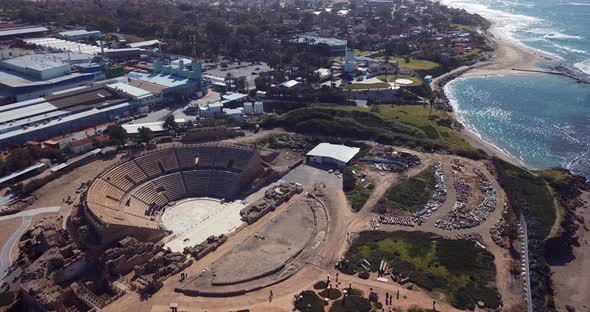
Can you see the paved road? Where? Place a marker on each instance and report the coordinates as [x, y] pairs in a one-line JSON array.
[[26, 218]]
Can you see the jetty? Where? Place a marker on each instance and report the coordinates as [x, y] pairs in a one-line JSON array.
[[549, 72]]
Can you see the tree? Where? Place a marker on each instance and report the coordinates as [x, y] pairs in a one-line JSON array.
[[229, 80], [145, 134], [117, 133], [241, 84], [348, 180], [170, 123]]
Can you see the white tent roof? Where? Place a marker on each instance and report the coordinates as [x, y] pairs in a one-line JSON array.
[[342, 153]]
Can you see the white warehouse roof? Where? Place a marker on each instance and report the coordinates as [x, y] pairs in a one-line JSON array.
[[342, 153], [129, 89]]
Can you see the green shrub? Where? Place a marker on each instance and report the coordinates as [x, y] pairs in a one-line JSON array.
[[410, 195], [352, 304], [458, 268], [333, 293], [320, 285], [309, 301], [364, 275], [348, 180]]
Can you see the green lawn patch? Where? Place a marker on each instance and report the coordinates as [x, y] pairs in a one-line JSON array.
[[466, 28], [367, 86], [462, 271], [360, 194], [406, 125], [358, 52], [529, 194], [410, 195], [468, 55], [435, 127], [416, 64]]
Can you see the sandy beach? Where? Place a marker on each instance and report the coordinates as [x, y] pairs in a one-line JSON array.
[[507, 58]]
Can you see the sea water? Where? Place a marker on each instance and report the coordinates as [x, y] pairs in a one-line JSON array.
[[542, 120]]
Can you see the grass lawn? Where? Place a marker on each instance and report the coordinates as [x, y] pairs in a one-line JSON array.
[[462, 27], [391, 78], [360, 194], [529, 194], [415, 64], [358, 52], [462, 271], [366, 86], [410, 195], [469, 55], [417, 116], [406, 125]]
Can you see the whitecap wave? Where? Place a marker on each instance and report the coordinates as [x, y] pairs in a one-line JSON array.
[[561, 36], [584, 66], [507, 25], [450, 92], [579, 3], [570, 49]]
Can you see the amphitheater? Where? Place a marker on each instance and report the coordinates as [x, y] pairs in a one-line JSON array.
[[184, 194], [130, 198]]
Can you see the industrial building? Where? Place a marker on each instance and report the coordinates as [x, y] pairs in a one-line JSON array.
[[82, 34], [143, 98], [32, 76], [327, 154], [167, 82], [60, 45], [21, 31], [62, 113], [145, 44]]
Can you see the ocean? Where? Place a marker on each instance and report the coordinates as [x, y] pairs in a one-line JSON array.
[[542, 120]]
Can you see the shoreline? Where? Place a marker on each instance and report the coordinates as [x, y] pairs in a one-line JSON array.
[[507, 56]]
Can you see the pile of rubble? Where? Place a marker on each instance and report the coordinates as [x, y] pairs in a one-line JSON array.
[[476, 237], [397, 220], [499, 229], [385, 158], [438, 197], [296, 142], [151, 274], [459, 217], [56, 275], [207, 246], [273, 198]]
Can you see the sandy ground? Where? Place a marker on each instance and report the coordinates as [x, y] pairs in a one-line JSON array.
[[7, 228], [572, 281], [55, 192]]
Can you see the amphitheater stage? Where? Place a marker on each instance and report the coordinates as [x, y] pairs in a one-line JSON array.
[[280, 249], [193, 220]]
